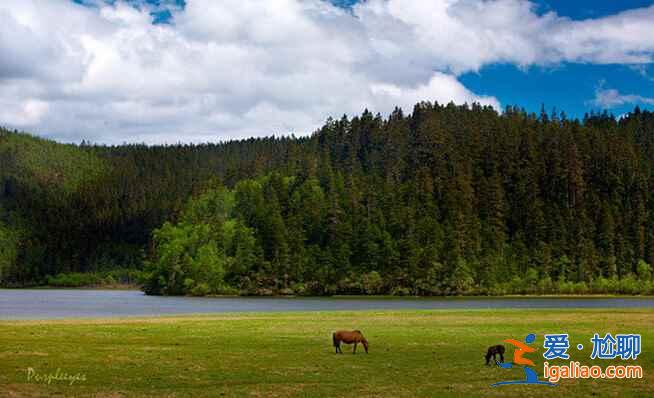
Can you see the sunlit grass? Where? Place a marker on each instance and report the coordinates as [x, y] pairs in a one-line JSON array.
[[412, 353]]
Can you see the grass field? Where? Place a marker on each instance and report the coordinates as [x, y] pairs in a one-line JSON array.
[[412, 354]]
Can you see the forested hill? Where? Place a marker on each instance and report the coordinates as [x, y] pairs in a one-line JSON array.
[[446, 200]]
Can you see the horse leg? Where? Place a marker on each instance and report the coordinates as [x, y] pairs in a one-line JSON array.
[[354, 351], [501, 358]]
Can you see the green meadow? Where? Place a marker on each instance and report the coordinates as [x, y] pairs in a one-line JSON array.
[[412, 354]]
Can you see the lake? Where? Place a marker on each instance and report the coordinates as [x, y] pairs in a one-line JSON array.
[[64, 303]]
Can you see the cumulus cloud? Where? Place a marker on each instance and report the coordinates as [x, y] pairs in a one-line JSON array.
[[232, 69], [441, 87], [460, 35], [610, 98]]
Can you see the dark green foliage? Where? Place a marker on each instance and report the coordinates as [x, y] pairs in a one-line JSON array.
[[446, 200], [9, 240], [123, 277]]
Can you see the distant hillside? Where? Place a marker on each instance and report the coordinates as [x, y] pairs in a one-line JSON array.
[[446, 200]]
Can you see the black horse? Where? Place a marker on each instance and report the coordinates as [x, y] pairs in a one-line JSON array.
[[495, 350]]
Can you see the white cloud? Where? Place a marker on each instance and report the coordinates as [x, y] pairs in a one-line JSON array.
[[441, 87], [611, 98], [24, 113], [461, 35], [232, 69], [642, 69]]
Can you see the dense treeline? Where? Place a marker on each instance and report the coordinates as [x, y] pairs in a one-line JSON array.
[[68, 208], [447, 200]]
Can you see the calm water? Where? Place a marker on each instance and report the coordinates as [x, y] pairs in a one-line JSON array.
[[47, 304]]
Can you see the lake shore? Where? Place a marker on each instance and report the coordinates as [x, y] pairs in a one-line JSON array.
[[336, 296]]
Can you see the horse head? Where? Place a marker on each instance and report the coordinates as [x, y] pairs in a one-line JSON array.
[[365, 343]]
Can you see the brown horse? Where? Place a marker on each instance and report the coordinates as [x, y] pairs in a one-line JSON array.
[[349, 337], [492, 351]]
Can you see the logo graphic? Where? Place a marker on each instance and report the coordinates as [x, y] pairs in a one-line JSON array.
[[623, 346], [521, 349]]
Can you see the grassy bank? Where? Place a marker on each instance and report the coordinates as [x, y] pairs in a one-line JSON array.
[[412, 353]]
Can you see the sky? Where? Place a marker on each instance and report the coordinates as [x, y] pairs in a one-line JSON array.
[[168, 71]]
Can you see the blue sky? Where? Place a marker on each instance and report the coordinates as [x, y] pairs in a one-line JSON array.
[[569, 86], [165, 71]]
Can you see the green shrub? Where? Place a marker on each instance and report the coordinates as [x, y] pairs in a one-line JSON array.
[[530, 281], [580, 288], [644, 271], [201, 289], [94, 279], [299, 288], [629, 285], [372, 283], [228, 291], [545, 285], [401, 291], [74, 279]]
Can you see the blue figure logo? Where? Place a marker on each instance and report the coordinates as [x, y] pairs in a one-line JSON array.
[[520, 349]]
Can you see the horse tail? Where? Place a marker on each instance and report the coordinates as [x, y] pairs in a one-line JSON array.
[[334, 339]]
